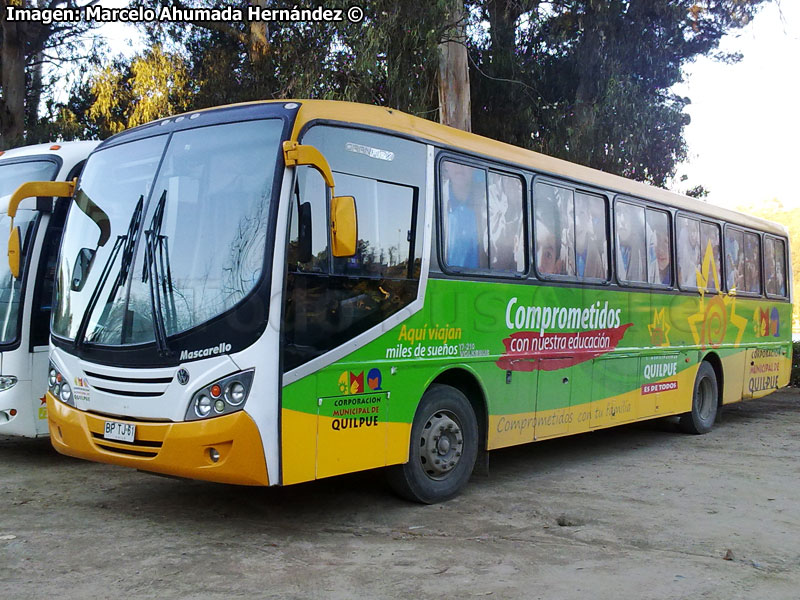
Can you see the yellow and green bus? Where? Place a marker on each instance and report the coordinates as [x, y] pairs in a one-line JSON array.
[[276, 292]]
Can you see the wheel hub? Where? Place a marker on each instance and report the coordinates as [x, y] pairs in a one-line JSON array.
[[441, 444]]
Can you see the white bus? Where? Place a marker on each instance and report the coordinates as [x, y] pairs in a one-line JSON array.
[[25, 302]]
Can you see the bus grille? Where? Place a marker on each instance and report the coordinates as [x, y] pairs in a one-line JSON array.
[[147, 387], [141, 448]]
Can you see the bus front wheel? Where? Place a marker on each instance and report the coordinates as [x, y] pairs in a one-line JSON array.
[[443, 448], [704, 402]]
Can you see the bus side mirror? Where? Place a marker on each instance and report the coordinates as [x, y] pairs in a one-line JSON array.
[[14, 253], [295, 154], [304, 233], [83, 264], [61, 189], [344, 226]]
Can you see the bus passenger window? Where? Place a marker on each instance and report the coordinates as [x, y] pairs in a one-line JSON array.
[[709, 243], [688, 251], [752, 263], [464, 215], [591, 255], [734, 260], [506, 235], [775, 267], [659, 253], [631, 253], [555, 230]]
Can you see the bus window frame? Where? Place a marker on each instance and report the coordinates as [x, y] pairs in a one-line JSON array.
[[708, 221], [786, 266], [487, 166], [671, 224], [759, 236], [576, 187], [53, 158]]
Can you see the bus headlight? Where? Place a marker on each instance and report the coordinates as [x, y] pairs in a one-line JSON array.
[[234, 393], [7, 382], [224, 396], [58, 386], [202, 405], [65, 393]]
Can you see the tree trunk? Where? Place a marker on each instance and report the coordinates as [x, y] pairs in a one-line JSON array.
[[35, 91], [12, 104], [454, 97], [259, 36], [34, 94]]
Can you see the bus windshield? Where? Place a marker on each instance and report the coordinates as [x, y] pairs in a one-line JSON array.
[[188, 227], [12, 175]]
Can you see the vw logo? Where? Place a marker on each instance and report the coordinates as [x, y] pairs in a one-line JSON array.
[[183, 376]]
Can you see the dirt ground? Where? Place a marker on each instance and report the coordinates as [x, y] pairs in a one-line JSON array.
[[640, 511]]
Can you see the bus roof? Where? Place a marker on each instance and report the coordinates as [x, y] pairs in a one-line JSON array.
[[442, 135], [67, 151]]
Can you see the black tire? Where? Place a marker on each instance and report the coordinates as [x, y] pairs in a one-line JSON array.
[[443, 448], [705, 402]]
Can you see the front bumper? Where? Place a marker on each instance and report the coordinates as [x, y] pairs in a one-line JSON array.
[[21, 413], [178, 449]]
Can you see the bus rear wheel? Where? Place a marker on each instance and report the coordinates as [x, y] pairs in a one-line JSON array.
[[443, 448], [705, 401]]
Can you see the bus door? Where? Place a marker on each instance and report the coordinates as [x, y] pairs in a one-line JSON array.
[[762, 371], [553, 398], [615, 388], [336, 308], [660, 387], [51, 230]]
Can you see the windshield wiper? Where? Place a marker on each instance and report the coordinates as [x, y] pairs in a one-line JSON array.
[[157, 273], [129, 242], [127, 251]]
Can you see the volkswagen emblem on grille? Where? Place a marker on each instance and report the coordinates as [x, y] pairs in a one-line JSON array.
[[183, 376]]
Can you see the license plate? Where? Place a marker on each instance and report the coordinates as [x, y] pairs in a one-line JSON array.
[[123, 432]]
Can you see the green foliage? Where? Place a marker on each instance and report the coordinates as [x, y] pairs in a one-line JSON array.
[[125, 93], [697, 191], [25, 48], [154, 85], [584, 80], [388, 59], [589, 81]]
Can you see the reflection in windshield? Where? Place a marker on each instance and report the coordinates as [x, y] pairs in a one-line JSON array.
[[201, 247]]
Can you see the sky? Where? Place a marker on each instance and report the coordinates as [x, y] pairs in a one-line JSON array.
[[744, 135]]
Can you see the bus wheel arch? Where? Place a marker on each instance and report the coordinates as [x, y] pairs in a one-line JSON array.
[[444, 441], [468, 384], [716, 363]]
